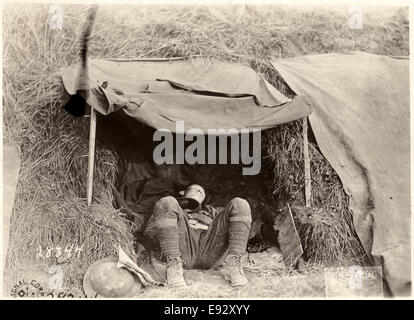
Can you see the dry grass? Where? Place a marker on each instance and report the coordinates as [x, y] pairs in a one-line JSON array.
[[267, 277], [327, 239], [327, 232], [271, 285], [50, 201]]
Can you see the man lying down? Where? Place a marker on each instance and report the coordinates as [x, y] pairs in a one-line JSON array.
[[194, 235]]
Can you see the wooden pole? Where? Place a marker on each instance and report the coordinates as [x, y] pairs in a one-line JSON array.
[[308, 181], [92, 135], [84, 85]]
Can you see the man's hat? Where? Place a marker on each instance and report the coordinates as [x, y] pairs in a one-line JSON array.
[[103, 279]]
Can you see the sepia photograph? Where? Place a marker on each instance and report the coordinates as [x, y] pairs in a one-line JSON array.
[[206, 150]]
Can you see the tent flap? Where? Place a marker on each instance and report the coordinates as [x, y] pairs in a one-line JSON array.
[[361, 122], [204, 94]]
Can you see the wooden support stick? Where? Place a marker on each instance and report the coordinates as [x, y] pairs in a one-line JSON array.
[[92, 135], [308, 181]]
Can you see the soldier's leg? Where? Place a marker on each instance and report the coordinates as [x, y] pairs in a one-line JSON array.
[[240, 220], [177, 241], [240, 223], [229, 233]]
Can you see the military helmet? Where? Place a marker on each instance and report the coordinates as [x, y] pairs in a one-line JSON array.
[[104, 279]]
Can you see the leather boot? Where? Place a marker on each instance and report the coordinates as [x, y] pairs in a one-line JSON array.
[[175, 273], [233, 270]]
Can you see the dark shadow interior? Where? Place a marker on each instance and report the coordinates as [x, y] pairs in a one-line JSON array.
[[133, 142]]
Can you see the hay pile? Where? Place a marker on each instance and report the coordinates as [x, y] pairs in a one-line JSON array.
[[326, 230], [50, 207], [327, 239]]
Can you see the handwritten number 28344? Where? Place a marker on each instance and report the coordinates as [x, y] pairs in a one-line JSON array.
[[59, 251]]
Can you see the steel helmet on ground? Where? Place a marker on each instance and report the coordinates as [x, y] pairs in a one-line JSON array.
[[103, 279]]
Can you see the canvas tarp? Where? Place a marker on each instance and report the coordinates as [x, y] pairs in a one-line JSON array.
[[204, 94], [361, 121]]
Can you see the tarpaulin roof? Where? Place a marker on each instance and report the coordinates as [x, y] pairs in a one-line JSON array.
[[361, 121], [205, 94]]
